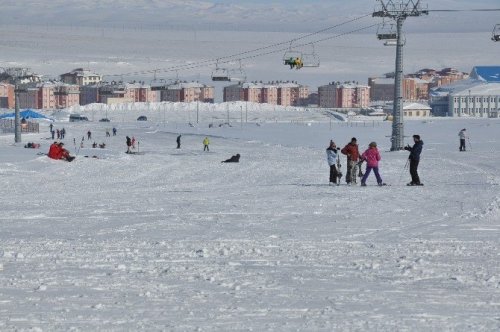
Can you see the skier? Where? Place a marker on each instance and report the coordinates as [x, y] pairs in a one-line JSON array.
[[51, 126], [462, 136], [133, 142], [178, 141], [352, 152], [129, 144], [233, 159], [414, 157], [63, 133], [372, 157], [114, 131], [206, 142], [89, 135], [331, 157]]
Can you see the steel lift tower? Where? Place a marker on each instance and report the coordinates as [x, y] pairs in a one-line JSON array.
[[399, 11]]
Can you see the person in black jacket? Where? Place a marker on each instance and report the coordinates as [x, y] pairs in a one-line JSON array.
[[415, 152], [178, 141], [233, 159]]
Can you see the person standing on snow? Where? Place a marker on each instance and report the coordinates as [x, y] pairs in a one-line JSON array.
[[352, 152], [372, 157], [89, 135], [414, 157], [178, 141], [206, 142], [331, 157], [129, 144], [462, 136]]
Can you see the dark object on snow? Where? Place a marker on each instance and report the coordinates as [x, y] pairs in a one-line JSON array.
[[142, 118], [233, 159], [414, 157], [178, 141]]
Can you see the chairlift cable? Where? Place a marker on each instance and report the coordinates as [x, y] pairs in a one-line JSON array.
[[232, 57]]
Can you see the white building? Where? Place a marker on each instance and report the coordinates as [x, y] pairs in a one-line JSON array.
[[478, 96], [81, 77], [412, 110]]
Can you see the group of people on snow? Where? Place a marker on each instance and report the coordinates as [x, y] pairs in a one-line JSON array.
[[372, 157]]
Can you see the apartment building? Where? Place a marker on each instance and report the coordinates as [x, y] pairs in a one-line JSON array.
[[345, 95], [81, 77], [187, 92], [284, 94], [7, 95], [416, 86]]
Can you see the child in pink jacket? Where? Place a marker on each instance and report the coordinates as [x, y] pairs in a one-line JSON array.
[[372, 157]]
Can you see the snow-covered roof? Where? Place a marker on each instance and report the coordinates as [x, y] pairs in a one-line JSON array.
[[80, 72], [186, 85], [488, 74], [409, 106], [467, 87], [416, 106], [383, 80]]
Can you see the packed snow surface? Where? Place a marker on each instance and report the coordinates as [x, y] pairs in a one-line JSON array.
[[175, 240]]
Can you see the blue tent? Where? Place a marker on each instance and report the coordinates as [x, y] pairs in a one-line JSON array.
[[27, 114]]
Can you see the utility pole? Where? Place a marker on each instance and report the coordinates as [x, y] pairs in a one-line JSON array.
[[16, 75], [399, 10]]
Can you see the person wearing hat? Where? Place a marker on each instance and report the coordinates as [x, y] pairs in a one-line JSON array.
[[331, 156], [372, 157], [462, 136], [414, 157], [352, 152]]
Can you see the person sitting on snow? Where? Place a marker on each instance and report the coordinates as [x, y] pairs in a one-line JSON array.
[[58, 152], [233, 159]]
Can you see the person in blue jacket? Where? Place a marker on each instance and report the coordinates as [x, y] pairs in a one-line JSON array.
[[414, 157], [331, 157]]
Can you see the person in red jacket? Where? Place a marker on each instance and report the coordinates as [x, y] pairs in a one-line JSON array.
[[54, 151], [58, 152], [352, 152], [65, 153]]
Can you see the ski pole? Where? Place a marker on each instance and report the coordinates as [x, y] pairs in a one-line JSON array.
[[404, 168]]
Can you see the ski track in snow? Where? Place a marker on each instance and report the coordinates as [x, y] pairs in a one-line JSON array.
[[174, 240]]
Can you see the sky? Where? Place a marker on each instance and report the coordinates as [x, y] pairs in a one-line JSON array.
[[271, 15]]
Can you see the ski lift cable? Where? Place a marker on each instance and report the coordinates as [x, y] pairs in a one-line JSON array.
[[464, 10], [229, 58], [201, 64], [193, 66]]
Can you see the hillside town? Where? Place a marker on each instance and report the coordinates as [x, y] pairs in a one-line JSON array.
[[427, 92]]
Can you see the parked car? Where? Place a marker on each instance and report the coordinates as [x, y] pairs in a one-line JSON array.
[[104, 120], [142, 118], [77, 118]]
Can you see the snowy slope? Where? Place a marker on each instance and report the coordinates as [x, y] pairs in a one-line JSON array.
[[174, 240]]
